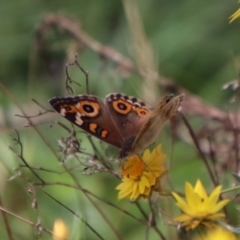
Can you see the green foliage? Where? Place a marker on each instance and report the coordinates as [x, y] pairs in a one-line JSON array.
[[193, 44]]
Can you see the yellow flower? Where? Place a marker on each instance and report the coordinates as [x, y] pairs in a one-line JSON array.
[[219, 233], [60, 230], [235, 15], [199, 207], [141, 176]]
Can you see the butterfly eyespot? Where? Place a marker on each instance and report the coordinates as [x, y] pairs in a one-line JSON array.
[[67, 108], [122, 106], [88, 108], [143, 113]]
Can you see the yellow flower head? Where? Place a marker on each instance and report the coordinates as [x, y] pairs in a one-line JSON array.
[[60, 230], [219, 233], [141, 176], [199, 208]]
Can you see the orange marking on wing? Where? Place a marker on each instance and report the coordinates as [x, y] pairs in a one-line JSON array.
[[69, 108], [92, 127], [104, 133], [142, 112]]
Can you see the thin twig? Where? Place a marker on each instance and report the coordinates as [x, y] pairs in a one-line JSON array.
[[20, 155], [26, 221], [5, 221], [194, 138]]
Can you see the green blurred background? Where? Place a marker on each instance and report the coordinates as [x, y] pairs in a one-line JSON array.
[[193, 44]]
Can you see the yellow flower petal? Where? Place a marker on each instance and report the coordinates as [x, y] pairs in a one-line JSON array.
[[178, 198], [182, 218], [219, 233], [195, 202], [234, 16], [208, 224], [146, 154], [200, 190], [220, 205], [216, 216], [213, 198], [194, 224]]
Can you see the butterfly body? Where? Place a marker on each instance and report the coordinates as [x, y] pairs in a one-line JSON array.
[[123, 121]]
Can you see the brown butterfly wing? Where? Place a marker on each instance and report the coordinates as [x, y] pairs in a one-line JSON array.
[[89, 113], [152, 128], [128, 114]]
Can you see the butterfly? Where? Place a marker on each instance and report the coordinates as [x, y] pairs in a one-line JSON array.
[[122, 121]]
